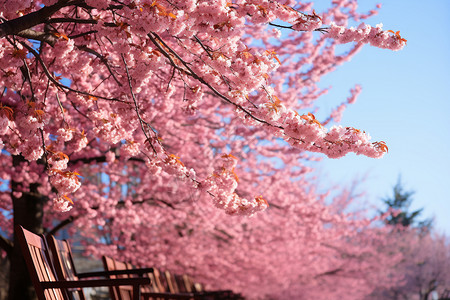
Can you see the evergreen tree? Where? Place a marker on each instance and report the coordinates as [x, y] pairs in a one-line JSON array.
[[399, 204]]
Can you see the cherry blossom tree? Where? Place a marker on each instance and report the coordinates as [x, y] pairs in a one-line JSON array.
[[424, 265], [120, 117], [300, 248]]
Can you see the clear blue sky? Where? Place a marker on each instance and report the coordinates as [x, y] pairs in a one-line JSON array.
[[404, 102]]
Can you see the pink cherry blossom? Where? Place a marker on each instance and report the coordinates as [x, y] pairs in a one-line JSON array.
[[179, 115]]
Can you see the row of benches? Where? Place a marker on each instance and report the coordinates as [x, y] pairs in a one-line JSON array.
[[52, 271]]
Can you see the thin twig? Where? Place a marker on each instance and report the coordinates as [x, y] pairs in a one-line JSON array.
[[322, 29], [203, 46], [166, 54], [61, 225], [102, 58], [28, 77], [194, 75], [136, 107], [61, 107], [44, 149], [82, 34], [60, 85], [72, 20]]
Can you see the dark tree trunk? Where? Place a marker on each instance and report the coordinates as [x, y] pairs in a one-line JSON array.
[[28, 212]]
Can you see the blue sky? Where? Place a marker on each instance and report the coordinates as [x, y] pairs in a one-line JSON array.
[[404, 102]]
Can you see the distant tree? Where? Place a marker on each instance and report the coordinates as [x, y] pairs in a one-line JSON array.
[[423, 269], [398, 209], [425, 254]]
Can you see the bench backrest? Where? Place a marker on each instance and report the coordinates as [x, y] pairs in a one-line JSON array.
[[109, 264], [64, 265], [159, 281], [40, 268], [122, 292], [171, 282]]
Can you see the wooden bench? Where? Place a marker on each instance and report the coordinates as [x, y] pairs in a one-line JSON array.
[[51, 286], [165, 286], [114, 270], [153, 291], [125, 282]]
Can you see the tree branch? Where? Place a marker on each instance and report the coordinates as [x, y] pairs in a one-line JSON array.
[[30, 20], [99, 159], [60, 85], [38, 36], [72, 20], [328, 273], [322, 29], [71, 219], [136, 108], [61, 225], [102, 58], [158, 42]]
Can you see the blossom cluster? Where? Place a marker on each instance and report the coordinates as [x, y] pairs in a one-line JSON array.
[[305, 132], [307, 22], [367, 34], [222, 185], [65, 182]]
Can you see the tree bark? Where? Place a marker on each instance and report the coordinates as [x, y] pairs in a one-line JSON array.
[[28, 212], [30, 20]]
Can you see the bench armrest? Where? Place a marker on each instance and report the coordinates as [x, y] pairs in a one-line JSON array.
[[95, 283], [139, 272]]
